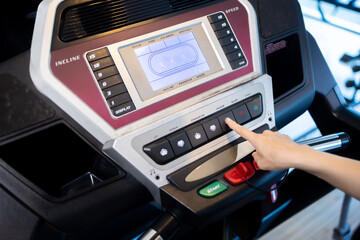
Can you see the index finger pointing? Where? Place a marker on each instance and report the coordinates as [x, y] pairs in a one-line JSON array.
[[242, 131]]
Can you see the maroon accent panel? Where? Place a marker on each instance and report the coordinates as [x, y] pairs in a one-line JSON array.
[[74, 73]]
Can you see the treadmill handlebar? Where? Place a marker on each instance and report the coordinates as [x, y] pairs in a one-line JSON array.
[[328, 143]]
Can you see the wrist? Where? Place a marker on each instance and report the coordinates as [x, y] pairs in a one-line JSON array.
[[305, 158]]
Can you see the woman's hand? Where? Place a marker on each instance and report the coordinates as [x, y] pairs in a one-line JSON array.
[[274, 151]]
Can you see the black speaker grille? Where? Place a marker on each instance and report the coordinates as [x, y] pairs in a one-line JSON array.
[[97, 17]]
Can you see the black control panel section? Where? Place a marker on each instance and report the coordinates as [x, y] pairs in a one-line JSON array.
[[227, 40], [110, 82], [172, 146], [178, 177]]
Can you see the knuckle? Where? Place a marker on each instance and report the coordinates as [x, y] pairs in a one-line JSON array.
[[267, 132]]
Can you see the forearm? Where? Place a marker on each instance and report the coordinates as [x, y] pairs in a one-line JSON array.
[[275, 151], [342, 173]]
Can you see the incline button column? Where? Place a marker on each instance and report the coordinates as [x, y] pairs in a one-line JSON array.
[[110, 82]]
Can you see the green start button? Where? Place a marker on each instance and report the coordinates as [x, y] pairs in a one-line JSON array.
[[213, 189]]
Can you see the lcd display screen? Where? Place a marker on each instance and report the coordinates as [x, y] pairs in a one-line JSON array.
[[172, 60]]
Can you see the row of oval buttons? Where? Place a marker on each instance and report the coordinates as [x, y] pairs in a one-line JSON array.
[[166, 149]]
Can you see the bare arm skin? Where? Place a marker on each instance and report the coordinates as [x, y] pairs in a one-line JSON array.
[[275, 151]]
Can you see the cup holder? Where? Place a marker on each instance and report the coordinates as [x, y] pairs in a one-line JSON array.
[[58, 162]]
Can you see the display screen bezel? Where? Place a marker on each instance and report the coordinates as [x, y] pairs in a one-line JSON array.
[[138, 75]]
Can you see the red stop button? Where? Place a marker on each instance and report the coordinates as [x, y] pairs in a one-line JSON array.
[[239, 174]]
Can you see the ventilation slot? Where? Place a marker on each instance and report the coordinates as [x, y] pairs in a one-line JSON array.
[[97, 17], [102, 16], [182, 4]]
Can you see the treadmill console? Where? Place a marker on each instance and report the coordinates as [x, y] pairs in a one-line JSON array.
[[155, 93]]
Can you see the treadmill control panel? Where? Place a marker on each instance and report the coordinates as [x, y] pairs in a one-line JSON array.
[[155, 94]]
